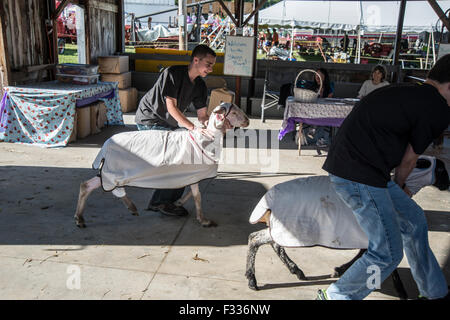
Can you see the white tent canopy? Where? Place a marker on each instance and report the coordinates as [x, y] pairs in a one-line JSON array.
[[373, 16]]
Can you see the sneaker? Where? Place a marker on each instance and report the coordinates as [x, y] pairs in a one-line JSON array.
[[322, 295], [170, 209], [447, 297]]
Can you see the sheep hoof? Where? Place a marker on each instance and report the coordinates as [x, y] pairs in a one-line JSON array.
[[135, 214], [81, 225], [80, 222], [300, 275], [252, 284], [338, 272], [208, 223]]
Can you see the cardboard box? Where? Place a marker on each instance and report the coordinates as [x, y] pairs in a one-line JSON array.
[[73, 136], [113, 64], [94, 109], [128, 99], [101, 119], [83, 122], [218, 96], [124, 79]]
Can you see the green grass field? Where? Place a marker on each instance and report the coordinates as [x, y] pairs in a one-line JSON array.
[[70, 54]]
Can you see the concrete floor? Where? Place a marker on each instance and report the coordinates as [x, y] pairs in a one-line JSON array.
[[120, 256]]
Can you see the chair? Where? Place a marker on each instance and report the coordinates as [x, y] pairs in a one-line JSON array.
[[273, 80]]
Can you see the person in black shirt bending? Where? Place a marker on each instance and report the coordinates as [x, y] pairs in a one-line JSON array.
[[388, 129], [163, 106]]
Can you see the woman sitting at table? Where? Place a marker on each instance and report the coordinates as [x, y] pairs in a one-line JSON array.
[[320, 135], [327, 90], [377, 80]]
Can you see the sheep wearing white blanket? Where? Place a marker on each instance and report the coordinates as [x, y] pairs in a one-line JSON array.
[[162, 160], [308, 212]]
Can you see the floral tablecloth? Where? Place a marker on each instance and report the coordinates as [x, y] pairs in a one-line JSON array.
[[324, 112], [43, 114]]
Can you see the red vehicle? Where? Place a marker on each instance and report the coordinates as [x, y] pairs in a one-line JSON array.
[[66, 27]]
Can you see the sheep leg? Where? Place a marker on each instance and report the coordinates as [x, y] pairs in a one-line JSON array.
[[183, 199], [293, 268], [121, 194], [398, 285], [339, 271], [198, 206], [255, 240], [85, 189]]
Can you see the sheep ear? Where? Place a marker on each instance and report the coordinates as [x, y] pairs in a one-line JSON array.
[[219, 110]]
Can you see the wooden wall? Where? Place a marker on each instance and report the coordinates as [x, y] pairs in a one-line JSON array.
[[103, 28], [23, 40], [25, 45]]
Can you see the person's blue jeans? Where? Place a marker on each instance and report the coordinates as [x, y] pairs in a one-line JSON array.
[[161, 196], [393, 222]]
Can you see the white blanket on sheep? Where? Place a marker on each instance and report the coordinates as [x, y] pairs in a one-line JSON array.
[[308, 212], [157, 159]]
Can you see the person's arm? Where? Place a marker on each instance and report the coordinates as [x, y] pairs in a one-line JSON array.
[[404, 169], [362, 91], [202, 115], [177, 115]]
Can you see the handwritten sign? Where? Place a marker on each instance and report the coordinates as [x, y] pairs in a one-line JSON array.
[[239, 54]]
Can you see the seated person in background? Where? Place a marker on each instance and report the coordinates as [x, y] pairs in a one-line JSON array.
[[320, 135], [327, 86], [279, 52], [377, 80]]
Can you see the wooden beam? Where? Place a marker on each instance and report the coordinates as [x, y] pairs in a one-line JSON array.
[[5, 69], [87, 29], [224, 7], [254, 12], [104, 6], [440, 13], [398, 37], [38, 67], [120, 30], [60, 8]]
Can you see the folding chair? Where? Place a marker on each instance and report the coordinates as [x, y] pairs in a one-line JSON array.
[[273, 80]]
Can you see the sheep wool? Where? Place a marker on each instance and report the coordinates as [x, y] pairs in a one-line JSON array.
[[157, 159], [308, 212]]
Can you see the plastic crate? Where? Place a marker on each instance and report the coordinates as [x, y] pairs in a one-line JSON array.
[[77, 79], [77, 69]]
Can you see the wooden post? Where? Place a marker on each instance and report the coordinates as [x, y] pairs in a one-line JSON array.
[[5, 71], [440, 13], [398, 36], [182, 30], [120, 32], [87, 30]]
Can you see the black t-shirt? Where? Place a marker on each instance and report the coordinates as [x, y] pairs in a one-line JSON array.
[[173, 82], [373, 138]]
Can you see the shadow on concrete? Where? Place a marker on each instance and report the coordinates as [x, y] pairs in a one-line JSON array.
[[312, 281], [37, 205], [97, 140]]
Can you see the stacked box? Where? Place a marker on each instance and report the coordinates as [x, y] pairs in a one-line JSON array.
[[128, 99], [218, 96], [116, 69], [83, 122]]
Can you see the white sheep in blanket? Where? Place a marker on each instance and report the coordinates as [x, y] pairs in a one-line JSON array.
[[307, 212]]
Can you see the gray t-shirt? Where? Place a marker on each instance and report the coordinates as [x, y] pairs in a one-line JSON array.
[[173, 82]]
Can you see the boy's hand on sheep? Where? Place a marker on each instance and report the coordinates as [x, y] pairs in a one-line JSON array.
[[204, 132]]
